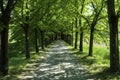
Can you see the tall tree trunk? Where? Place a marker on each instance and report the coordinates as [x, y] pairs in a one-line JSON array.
[[81, 42], [42, 39], [36, 41], [114, 48], [81, 36], [4, 45], [76, 40], [81, 29], [76, 34], [52, 37], [91, 41], [4, 51], [27, 41], [72, 35], [26, 29], [6, 8]]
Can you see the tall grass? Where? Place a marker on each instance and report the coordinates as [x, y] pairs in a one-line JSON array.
[[99, 63]]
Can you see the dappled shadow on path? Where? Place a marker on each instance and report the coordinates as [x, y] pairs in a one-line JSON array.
[[59, 64]]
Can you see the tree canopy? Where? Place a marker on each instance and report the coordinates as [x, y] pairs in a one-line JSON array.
[[29, 25]]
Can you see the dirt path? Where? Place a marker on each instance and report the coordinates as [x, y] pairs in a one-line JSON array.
[[59, 64]]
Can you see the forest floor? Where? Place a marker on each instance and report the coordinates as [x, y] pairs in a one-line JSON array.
[[58, 64]]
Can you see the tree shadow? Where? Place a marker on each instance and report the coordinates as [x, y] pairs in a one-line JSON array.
[[104, 71], [15, 49], [59, 64], [88, 60], [105, 74]]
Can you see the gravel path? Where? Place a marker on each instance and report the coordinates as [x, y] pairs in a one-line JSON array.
[[59, 64]]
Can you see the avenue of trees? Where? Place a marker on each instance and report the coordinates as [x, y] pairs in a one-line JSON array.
[[26, 23]]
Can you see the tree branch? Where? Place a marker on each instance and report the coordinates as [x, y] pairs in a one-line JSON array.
[[86, 19], [1, 6], [10, 5]]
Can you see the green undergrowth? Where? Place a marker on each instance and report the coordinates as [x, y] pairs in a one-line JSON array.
[[16, 64], [98, 64]]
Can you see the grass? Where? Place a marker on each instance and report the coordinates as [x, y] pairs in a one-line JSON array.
[[98, 64], [16, 64], [17, 61]]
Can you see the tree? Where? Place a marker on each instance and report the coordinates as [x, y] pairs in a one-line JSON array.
[[6, 8], [81, 28], [113, 24], [76, 33], [25, 25], [97, 7], [76, 22]]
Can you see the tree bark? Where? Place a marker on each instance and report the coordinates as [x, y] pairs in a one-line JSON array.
[[91, 41], [4, 45], [76, 39], [81, 29], [6, 9], [114, 48], [4, 51], [81, 36], [36, 41], [72, 35], [42, 39], [81, 41], [27, 41], [76, 34]]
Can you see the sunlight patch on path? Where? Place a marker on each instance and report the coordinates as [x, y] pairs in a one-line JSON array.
[[59, 64]]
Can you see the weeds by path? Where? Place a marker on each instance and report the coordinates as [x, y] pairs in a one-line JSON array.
[[98, 65]]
